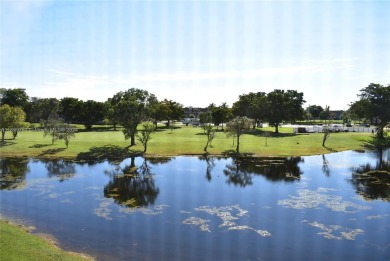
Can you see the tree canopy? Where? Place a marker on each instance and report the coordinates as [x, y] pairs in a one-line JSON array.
[[10, 117], [284, 106], [130, 109], [14, 97], [237, 127], [374, 104]]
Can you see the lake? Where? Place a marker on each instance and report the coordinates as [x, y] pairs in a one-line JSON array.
[[325, 207]]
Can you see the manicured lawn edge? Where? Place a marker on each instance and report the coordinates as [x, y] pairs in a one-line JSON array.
[[17, 243], [181, 141]]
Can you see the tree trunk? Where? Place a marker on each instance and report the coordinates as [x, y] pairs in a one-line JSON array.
[[132, 139], [380, 131], [2, 134], [238, 144], [277, 128]]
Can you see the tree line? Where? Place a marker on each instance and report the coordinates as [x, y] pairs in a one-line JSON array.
[[132, 107]]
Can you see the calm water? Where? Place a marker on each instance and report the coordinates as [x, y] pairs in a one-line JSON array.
[[332, 207]]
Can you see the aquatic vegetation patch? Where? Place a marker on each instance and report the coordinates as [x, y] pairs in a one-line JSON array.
[[53, 195], [93, 188], [229, 216], [314, 199], [103, 210], [67, 201], [376, 217], [329, 231], [147, 211], [263, 233], [202, 223]]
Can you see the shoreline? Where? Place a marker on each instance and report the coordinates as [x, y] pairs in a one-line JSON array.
[[151, 156], [48, 238]]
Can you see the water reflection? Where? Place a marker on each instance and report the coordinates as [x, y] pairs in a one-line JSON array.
[[13, 173], [373, 181], [241, 171], [133, 186], [325, 166], [210, 164], [59, 168]]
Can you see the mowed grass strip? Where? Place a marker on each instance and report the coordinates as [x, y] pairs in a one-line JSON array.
[[16, 244], [185, 140]]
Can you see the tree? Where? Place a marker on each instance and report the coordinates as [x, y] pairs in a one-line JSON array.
[[57, 130], [325, 114], [210, 133], [237, 127], [130, 109], [374, 104], [220, 114], [170, 110], [146, 134], [14, 98], [205, 119], [11, 118], [315, 111], [70, 109], [50, 128], [91, 112], [326, 136], [42, 109], [284, 106], [251, 105], [154, 112]]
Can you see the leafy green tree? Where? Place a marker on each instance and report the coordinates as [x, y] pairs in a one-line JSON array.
[[11, 118], [70, 109], [14, 98], [315, 111], [51, 128], [91, 113], [204, 119], [154, 112], [130, 109], [112, 109], [210, 134], [220, 114], [284, 106], [325, 114], [42, 109], [171, 110], [374, 104], [57, 130], [146, 134], [251, 105], [326, 136], [237, 127]]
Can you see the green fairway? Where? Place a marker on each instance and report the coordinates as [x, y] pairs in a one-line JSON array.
[[16, 244], [183, 140]]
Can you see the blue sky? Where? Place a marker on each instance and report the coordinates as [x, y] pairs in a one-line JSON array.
[[195, 52]]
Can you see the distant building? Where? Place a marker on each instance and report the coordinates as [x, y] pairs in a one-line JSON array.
[[193, 111], [336, 115]]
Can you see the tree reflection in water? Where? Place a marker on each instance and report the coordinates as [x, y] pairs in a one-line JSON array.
[[59, 168], [373, 182], [210, 162], [13, 172], [133, 186], [241, 171], [325, 166]]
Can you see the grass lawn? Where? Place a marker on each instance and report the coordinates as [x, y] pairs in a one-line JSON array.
[[183, 140], [16, 244]]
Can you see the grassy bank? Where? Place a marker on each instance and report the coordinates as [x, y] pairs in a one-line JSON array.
[[183, 140], [17, 244]]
